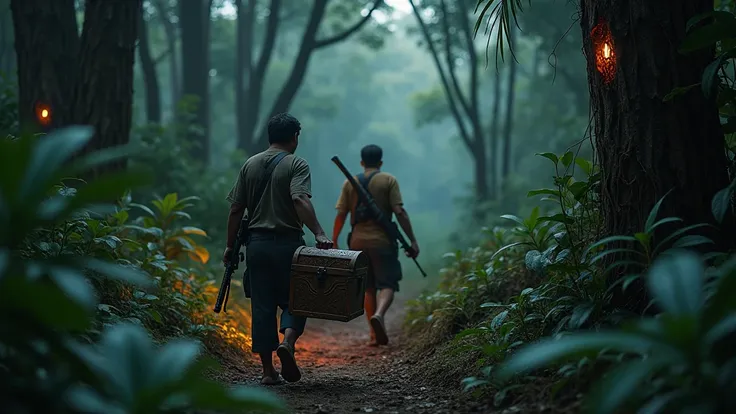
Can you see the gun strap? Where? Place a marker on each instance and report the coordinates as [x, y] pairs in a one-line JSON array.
[[363, 181], [266, 178]]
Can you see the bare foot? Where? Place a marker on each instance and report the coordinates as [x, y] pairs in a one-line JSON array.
[[380, 329]]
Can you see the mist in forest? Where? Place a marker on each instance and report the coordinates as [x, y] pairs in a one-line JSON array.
[[460, 163]]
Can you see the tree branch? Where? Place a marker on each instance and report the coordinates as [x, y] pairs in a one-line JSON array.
[[350, 31], [443, 78], [465, 27]]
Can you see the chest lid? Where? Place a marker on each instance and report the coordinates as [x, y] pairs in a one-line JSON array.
[[333, 261]]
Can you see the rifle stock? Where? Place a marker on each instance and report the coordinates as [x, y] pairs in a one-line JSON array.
[[230, 267], [388, 226]]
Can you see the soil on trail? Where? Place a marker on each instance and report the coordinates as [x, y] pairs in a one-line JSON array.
[[342, 374]]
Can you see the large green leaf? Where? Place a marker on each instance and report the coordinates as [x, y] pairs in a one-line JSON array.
[[619, 385], [49, 154], [722, 302], [44, 302], [549, 351], [676, 281]]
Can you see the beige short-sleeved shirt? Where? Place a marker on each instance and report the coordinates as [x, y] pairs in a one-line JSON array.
[[384, 189], [276, 211]]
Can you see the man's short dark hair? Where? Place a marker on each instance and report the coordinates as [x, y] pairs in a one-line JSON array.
[[371, 155], [282, 128]]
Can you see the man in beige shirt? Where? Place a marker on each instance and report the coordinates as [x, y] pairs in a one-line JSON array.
[[368, 236], [275, 232]]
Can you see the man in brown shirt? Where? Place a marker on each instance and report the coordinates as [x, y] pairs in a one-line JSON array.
[[368, 236], [275, 232]]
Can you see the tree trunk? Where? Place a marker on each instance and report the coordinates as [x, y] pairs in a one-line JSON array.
[[493, 135], [647, 147], [7, 53], [150, 78], [104, 89], [171, 43], [508, 124], [46, 44], [193, 18], [244, 70]]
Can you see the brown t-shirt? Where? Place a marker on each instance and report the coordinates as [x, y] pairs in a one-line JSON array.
[[276, 211], [384, 189]]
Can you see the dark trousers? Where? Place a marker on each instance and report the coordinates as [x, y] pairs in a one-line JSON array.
[[268, 260]]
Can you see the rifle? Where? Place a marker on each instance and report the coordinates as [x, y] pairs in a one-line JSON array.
[[236, 256], [388, 226]]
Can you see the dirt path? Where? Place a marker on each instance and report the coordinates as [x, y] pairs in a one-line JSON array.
[[341, 374]]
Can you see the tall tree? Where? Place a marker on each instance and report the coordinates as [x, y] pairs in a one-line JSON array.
[[646, 146], [103, 94], [449, 38], [252, 133], [150, 78], [87, 80], [46, 46], [508, 123], [194, 23], [7, 53], [165, 13]]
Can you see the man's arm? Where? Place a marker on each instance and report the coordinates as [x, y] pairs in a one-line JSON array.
[[301, 192], [233, 222], [403, 218], [306, 213], [342, 212], [397, 205], [238, 202]]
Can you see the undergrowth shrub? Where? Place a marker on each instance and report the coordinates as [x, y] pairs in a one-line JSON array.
[[79, 281], [541, 278]]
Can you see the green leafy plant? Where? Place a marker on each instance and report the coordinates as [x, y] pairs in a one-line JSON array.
[[48, 299], [683, 358]]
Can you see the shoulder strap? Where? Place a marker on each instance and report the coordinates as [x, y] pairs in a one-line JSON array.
[[265, 177], [365, 180]]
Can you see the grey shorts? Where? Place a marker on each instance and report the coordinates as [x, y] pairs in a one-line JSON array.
[[385, 270]]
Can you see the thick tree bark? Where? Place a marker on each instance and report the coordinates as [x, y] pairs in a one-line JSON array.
[[194, 18], [508, 123], [171, 43], [647, 147], [46, 44], [7, 52], [150, 77], [104, 88]]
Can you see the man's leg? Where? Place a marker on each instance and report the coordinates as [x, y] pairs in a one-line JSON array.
[[292, 327], [263, 310], [387, 274], [385, 299], [369, 303]]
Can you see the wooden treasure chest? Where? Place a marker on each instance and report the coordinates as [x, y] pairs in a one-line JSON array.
[[328, 284]]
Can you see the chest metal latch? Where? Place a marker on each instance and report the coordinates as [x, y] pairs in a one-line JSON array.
[[321, 275]]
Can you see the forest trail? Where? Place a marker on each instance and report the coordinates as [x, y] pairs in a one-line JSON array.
[[342, 374]]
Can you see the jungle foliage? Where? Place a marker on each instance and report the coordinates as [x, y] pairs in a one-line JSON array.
[[86, 275], [533, 302]]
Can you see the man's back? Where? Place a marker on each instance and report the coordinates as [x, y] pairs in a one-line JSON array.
[[276, 209], [384, 188]]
